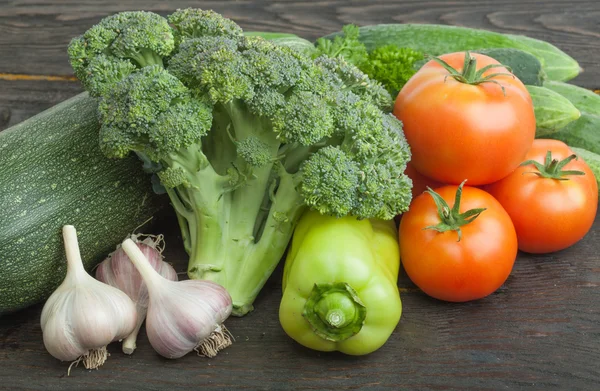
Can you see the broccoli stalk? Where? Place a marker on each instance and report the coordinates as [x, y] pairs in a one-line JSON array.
[[224, 246], [247, 135]]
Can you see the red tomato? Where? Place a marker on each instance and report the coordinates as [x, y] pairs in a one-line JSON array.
[[460, 131], [549, 214], [449, 269], [420, 181]]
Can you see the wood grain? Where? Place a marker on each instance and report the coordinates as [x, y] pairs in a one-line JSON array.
[[21, 99], [34, 35]]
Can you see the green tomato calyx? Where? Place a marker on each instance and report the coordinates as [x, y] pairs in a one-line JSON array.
[[450, 218], [334, 311], [469, 73], [552, 168]]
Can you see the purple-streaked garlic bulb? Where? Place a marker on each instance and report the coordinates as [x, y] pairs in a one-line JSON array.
[[182, 315], [118, 271], [83, 315]]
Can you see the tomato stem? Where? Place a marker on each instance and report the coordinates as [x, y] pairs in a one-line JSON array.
[[552, 168], [452, 219], [469, 73]]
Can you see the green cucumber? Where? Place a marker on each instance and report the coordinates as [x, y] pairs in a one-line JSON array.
[[585, 100], [583, 133], [525, 66], [591, 159], [552, 111], [52, 173], [439, 39]]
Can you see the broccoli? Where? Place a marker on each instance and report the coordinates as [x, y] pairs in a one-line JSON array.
[[247, 135], [117, 46]]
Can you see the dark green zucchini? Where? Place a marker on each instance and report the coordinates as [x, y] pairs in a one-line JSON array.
[[524, 65], [52, 173]]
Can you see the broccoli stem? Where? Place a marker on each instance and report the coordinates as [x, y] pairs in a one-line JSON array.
[[147, 57], [262, 258], [183, 216], [246, 201], [228, 254], [231, 237]]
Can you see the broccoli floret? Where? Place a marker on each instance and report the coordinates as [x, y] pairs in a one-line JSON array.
[[329, 181], [254, 151], [197, 23], [348, 76], [123, 42], [247, 135], [305, 119], [153, 113]]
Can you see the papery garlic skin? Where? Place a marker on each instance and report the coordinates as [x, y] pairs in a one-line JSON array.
[[118, 271], [182, 315], [83, 314]]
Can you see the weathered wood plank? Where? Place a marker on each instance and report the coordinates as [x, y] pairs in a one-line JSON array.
[[34, 35], [21, 99]]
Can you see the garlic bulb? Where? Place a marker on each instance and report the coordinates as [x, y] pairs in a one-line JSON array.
[[83, 315], [118, 271], [185, 315]]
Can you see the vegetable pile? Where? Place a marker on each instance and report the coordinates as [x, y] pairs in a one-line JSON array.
[[262, 141]]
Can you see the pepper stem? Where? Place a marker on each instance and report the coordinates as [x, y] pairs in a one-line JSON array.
[[334, 311], [469, 73], [552, 168], [452, 219]]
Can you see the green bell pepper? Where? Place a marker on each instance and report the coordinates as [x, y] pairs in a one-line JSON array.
[[340, 284]]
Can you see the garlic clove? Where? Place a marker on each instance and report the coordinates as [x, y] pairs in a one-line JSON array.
[[109, 306], [118, 271], [84, 315], [59, 339], [184, 315]]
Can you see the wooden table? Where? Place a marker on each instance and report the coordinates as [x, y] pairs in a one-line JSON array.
[[541, 330]]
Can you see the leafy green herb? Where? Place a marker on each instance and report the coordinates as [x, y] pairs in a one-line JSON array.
[[392, 66], [346, 46]]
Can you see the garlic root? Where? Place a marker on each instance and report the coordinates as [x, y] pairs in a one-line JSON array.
[[218, 340], [93, 359]]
